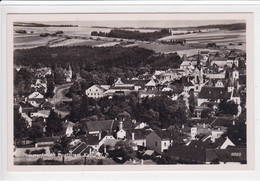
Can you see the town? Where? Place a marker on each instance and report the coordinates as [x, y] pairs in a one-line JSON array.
[[191, 111]]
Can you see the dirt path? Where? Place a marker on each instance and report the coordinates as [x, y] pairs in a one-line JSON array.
[[59, 94]]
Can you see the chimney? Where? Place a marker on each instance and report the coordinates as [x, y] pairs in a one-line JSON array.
[[105, 149], [204, 125], [234, 123], [120, 125], [133, 136], [182, 126]]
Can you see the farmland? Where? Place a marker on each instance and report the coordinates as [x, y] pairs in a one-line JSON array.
[[81, 36]]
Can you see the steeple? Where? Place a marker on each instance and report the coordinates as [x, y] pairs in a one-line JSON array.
[[198, 61]]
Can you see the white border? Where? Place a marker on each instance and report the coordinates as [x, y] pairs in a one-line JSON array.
[[116, 7]]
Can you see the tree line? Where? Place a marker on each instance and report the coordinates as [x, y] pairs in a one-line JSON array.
[[137, 35]]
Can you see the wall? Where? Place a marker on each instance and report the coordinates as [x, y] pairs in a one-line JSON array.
[[151, 140]]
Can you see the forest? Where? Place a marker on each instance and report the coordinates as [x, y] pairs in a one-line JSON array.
[[137, 35], [96, 65]]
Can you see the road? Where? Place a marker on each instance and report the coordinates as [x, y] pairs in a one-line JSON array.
[[59, 94]]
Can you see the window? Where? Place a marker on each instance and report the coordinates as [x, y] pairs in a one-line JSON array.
[[96, 90], [156, 143], [164, 144]]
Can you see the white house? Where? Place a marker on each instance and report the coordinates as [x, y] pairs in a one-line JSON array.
[[151, 85], [95, 91], [68, 127], [36, 95], [121, 134]]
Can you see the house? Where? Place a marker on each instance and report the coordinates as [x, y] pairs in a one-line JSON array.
[[68, 74], [195, 151], [26, 107], [213, 94], [151, 85], [95, 91], [219, 75], [35, 99], [121, 133], [138, 136], [46, 141], [149, 93], [198, 111], [235, 97], [42, 72], [36, 102], [37, 113], [121, 91], [95, 127], [109, 126], [35, 95], [68, 127], [200, 129], [40, 84], [231, 61], [159, 141], [141, 125], [220, 61], [120, 83]]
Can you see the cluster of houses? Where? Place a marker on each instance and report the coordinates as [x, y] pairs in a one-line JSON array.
[[201, 143], [211, 76]]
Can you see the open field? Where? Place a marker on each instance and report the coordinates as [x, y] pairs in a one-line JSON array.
[[80, 37]]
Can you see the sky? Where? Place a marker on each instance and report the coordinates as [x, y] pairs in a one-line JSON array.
[[138, 24]]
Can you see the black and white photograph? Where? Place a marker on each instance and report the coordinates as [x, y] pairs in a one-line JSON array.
[[130, 92]]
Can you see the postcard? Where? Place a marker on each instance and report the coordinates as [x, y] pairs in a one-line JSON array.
[[103, 92]]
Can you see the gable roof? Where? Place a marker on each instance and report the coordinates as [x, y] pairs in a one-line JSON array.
[[219, 59], [138, 133], [127, 124], [47, 104], [105, 125], [214, 93]]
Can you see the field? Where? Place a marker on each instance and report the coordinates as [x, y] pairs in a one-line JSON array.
[[80, 36]]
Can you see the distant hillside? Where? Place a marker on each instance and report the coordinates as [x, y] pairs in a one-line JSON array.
[[40, 25], [235, 26]]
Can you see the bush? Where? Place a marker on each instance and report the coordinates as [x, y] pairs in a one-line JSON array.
[[40, 161], [38, 152], [27, 151]]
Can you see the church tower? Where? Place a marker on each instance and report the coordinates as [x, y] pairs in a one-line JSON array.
[[198, 75]]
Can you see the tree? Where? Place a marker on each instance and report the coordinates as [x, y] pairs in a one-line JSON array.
[[192, 101], [20, 127], [228, 107], [53, 123], [61, 146], [36, 131], [123, 150], [50, 89]]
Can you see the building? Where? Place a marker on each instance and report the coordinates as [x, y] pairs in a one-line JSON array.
[[68, 128], [160, 140], [213, 95], [95, 91], [220, 61]]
